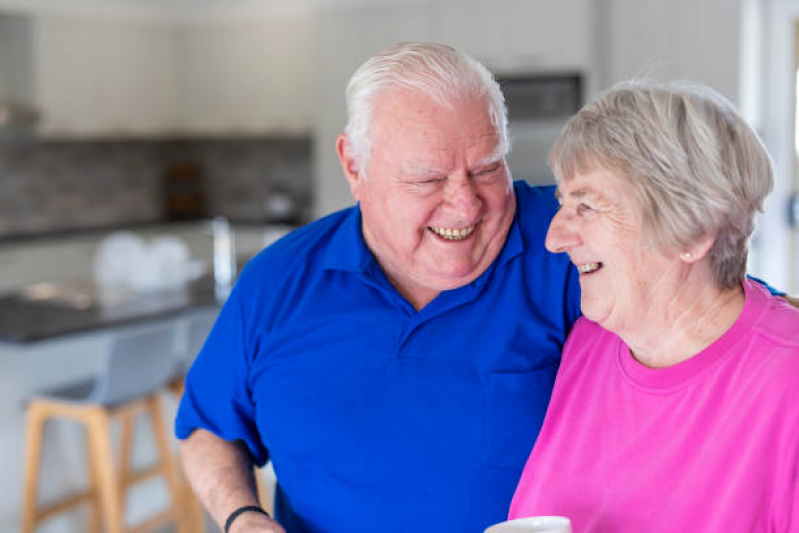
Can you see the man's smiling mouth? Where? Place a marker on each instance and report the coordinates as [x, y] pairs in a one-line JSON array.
[[453, 234]]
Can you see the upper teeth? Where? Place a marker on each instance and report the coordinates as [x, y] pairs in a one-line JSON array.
[[588, 267], [454, 234]]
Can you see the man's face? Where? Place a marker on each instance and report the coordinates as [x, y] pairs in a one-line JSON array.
[[438, 200]]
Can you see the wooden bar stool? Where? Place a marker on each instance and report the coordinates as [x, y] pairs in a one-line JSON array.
[[135, 368]]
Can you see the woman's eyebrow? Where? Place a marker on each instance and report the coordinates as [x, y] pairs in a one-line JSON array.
[[580, 193]]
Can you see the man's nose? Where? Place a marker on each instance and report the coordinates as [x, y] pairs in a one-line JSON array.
[[464, 198], [561, 236]]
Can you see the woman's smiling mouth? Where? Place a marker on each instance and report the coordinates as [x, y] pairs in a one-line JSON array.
[[587, 268], [456, 234]]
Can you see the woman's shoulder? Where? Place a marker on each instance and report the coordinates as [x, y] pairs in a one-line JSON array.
[[779, 324]]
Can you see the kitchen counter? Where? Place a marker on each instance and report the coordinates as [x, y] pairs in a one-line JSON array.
[[26, 318]]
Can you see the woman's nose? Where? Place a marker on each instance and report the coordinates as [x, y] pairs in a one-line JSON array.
[[561, 236]]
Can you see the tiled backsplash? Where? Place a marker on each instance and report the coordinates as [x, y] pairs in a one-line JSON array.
[[54, 186]]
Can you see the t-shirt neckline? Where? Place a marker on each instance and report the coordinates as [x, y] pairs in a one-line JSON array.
[[663, 379]]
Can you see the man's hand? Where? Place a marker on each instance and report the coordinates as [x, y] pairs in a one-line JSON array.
[[792, 300], [255, 523]]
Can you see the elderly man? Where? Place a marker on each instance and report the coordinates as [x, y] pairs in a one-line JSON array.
[[395, 359]]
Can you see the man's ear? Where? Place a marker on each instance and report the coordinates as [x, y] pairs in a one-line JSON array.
[[699, 250], [352, 171]]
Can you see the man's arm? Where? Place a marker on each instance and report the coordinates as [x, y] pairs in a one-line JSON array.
[[221, 474], [794, 301]]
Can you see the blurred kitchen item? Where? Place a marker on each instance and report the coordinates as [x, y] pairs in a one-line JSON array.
[[13, 114], [116, 259], [183, 191], [124, 259], [224, 256], [168, 260], [281, 207], [538, 107], [79, 295]]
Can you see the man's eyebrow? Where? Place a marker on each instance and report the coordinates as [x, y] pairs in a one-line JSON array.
[[420, 168], [493, 157]]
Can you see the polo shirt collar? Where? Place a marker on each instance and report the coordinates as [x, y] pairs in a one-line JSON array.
[[346, 249]]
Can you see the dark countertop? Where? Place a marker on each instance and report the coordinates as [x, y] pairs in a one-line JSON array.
[[25, 320]]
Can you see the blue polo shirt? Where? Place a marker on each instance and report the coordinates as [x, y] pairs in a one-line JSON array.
[[378, 417]]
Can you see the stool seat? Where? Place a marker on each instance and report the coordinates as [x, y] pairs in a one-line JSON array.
[[78, 392], [133, 372]]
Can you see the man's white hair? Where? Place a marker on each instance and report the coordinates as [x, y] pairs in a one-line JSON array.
[[438, 71]]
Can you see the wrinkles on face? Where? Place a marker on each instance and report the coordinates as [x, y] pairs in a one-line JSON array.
[[439, 201], [623, 278]]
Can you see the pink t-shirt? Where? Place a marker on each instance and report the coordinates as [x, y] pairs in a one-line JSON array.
[[709, 445]]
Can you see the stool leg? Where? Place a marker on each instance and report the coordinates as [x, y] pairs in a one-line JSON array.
[[125, 452], [165, 463], [37, 418], [102, 454], [95, 518], [261, 486]]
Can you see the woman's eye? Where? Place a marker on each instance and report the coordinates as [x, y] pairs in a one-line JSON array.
[[584, 208]]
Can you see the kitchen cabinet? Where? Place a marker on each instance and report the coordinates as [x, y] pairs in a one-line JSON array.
[[118, 77], [91, 77], [250, 77], [104, 77], [519, 35], [15, 59]]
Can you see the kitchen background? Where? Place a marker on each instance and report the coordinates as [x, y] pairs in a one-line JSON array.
[[153, 116]]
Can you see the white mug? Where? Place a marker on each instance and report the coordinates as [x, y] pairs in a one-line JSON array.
[[533, 524]]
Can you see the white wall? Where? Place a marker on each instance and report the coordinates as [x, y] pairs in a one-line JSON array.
[[777, 245], [694, 39]]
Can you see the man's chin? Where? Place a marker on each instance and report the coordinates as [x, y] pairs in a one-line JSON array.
[[453, 279]]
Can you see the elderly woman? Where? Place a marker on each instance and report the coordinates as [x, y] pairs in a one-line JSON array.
[[676, 406]]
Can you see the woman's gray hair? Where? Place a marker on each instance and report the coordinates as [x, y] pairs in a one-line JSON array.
[[696, 167], [436, 70]]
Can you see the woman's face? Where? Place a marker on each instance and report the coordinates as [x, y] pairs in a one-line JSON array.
[[623, 281]]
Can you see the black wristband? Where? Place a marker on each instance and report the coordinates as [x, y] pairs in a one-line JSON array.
[[241, 510]]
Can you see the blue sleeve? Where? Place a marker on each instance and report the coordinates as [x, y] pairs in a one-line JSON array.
[[772, 290], [217, 397]]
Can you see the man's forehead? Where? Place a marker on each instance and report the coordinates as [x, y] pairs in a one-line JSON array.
[[442, 159]]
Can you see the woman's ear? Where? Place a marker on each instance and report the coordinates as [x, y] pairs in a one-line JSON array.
[[352, 171], [699, 250]]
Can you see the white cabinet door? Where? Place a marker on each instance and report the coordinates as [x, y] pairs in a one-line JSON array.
[[64, 76], [247, 77], [519, 35], [100, 78]]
